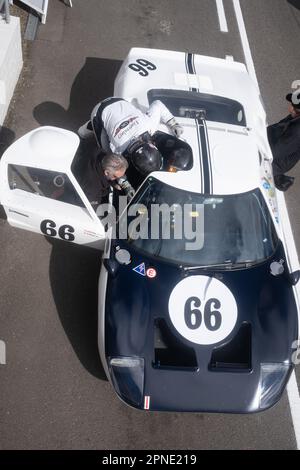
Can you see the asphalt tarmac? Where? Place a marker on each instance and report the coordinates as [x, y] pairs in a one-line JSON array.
[[53, 392]]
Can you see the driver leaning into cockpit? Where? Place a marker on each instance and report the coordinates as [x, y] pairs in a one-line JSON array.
[[121, 127], [103, 172]]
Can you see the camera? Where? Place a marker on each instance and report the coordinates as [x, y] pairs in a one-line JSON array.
[[126, 187]]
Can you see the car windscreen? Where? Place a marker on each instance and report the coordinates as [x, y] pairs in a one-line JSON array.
[[198, 230], [188, 104]]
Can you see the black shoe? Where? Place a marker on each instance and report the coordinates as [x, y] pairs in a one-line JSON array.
[[283, 183], [289, 178]]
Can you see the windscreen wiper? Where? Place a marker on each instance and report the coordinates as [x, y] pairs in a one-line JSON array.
[[229, 265], [209, 266]]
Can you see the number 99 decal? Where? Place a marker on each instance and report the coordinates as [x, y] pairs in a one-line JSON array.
[[202, 309], [142, 67]]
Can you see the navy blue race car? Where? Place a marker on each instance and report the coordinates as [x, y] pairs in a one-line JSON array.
[[209, 328]]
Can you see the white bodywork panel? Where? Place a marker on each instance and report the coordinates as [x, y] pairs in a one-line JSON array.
[[52, 149], [214, 76]]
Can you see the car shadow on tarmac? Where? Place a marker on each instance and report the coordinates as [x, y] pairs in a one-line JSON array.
[[295, 3], [7, 136], [74, 270], [93, 83]]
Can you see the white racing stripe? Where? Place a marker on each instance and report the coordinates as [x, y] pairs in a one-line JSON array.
[[222, 16], [292, 387]]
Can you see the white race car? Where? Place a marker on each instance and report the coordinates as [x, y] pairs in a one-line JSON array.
[[206, 329]]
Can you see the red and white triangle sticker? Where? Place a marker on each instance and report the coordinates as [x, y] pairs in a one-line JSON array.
[[146, 402]]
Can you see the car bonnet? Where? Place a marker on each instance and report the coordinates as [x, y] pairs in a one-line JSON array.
[[203, 335]]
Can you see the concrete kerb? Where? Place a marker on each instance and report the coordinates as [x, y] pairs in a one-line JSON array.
[[11, 61]]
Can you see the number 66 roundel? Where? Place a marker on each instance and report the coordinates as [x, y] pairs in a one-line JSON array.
[[202, 309]]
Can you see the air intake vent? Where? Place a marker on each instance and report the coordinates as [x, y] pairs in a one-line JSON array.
[[169, 351], [236, 355]]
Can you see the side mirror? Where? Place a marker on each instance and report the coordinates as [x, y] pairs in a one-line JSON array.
[[294, 277], [112, 266]]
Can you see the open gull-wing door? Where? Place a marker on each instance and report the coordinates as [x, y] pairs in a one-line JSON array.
[[40, 193]]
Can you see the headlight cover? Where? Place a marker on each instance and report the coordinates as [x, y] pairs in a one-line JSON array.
[[272, 380], [127, 374]]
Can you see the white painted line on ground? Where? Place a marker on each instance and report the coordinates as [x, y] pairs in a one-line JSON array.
[[292, 387], [245, 42], [222, 16]]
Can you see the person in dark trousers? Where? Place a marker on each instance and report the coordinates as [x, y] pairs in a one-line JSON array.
[[123, 128], [102, 172], [284, 139]]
